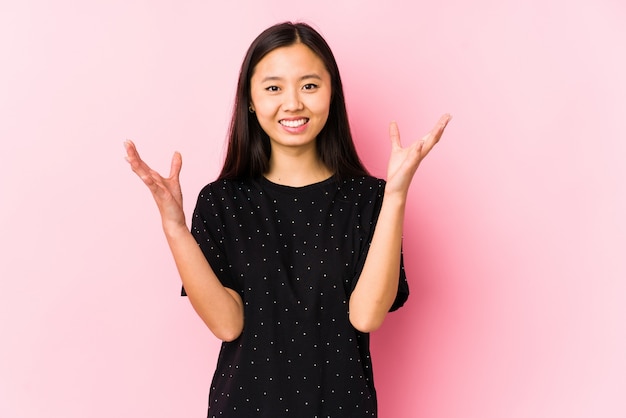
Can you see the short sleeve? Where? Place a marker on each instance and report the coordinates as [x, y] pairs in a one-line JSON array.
[[208, 230], [403, 285], [403, 288]]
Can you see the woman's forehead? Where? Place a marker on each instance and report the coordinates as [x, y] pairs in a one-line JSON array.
[[293, 61]]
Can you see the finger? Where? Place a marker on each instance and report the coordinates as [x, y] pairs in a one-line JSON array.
[[132, 156], [131, 150], [433, 137], [438, 129], [139, 167], [394, 134], [177, 163], [136, 163]]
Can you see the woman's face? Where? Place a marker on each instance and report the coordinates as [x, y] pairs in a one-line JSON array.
[[290, 90]]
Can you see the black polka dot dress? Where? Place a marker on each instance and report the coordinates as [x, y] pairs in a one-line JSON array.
[[294, 254]]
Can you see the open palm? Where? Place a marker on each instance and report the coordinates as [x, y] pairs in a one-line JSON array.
[[403, 161], [165, 191]]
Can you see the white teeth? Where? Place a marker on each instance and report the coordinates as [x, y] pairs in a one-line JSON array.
[[293, 123]]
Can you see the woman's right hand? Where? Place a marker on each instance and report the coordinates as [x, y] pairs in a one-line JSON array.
[[165, 191]]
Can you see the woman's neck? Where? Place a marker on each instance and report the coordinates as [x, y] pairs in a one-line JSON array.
[[296, 170]]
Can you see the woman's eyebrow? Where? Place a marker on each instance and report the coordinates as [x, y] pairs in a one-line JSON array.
[[277, 78]]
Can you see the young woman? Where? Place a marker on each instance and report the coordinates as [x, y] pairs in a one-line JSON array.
[[294, 253]]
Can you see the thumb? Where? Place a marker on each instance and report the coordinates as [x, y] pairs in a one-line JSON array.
[[394, 134], [177, 163]]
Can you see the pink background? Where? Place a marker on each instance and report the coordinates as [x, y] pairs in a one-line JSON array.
[[516, 227]]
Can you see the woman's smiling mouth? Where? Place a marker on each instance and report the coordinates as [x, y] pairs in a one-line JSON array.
[[293, 123]]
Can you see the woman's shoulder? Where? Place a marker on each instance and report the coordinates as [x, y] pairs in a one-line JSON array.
[[228, 186], [225, 190], [363, 183], [364, 189]]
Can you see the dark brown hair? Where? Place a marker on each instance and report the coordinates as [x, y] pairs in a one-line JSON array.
[[249, 148]]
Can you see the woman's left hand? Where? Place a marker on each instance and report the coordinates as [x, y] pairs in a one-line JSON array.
[[403, 162]]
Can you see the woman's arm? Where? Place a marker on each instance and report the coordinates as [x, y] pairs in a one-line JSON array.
[[377, 286], [220, 308]]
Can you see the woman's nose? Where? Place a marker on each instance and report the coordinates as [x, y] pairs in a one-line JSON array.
[[292, 101]]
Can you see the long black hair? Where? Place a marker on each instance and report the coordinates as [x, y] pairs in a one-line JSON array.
[[249, 148]]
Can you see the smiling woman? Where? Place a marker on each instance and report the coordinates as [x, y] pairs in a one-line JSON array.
[[290, 93], [294, 254]]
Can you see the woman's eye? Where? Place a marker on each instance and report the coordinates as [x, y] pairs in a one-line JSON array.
[[271, 88], [310, 86]]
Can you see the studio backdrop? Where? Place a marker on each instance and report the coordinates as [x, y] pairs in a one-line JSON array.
[[515, 233]]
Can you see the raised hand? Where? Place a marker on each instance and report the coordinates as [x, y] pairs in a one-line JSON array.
[[165, 191], [403, 162]]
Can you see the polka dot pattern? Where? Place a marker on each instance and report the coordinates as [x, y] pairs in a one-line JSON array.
[[294, 255]]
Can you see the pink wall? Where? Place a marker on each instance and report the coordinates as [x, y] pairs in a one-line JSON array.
[[515, 237]]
